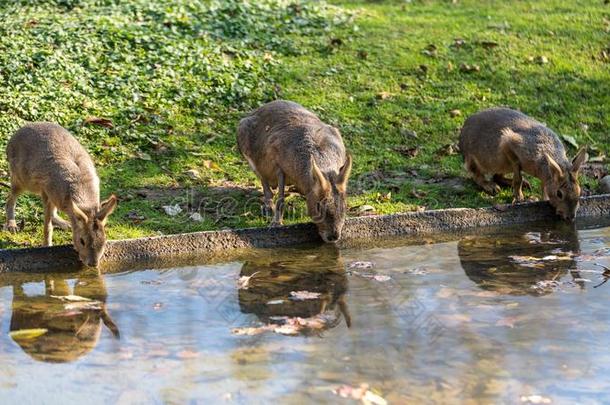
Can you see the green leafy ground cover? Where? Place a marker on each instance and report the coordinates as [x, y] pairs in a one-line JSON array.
[[154, 90]]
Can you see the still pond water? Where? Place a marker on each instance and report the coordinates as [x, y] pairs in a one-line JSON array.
[[513, 316]]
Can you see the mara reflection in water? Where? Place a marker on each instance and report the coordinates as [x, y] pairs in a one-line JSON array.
[[283, 286], [518, 263], [69, 320]]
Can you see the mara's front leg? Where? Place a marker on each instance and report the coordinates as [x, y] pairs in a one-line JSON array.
[[517, 184], [48, 222], [11, 202], [279, 205]]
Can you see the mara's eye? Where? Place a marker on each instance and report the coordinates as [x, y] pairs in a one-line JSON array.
[[82, 241], [560, 194]]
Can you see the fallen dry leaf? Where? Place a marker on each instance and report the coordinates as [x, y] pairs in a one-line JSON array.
[[103, 122], [193, 174], [466, 68], [448, 150], [407, 151], [418, 194], [458, 43], [134, 216], [172, 210], [384, 95], [211, 165]]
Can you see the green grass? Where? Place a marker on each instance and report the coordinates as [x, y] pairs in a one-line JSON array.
[[175, 77]]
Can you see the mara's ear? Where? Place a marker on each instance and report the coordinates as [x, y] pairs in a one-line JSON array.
[[556, 171], [579, 159], [321, 184], [107, 207], [79, 214], [344, 174]]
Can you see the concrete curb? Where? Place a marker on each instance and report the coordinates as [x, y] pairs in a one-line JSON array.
[[202, 246]]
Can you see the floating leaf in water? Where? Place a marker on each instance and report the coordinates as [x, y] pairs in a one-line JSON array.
[[361, 393], [418, 271], [446, 292], [556, 258], [535, 238], [376, 277], [536, 262], [275, 302], [188, 354], [535, 399], [83, 306], [27, 334], [70, 298], [545, 285], [361, 265], [288, 329], [243, 283], [304, 295], [250, 331], [290, 326], [509, 321]]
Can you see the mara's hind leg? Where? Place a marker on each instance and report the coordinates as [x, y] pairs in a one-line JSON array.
[[488, 186], [502, 180], [505, 182], [11, 202], [59, 222], [267, 200], [279, 207]]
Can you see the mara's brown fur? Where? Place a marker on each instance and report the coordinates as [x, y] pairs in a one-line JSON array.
[[498, 141], [47, 160], [285, 144]]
